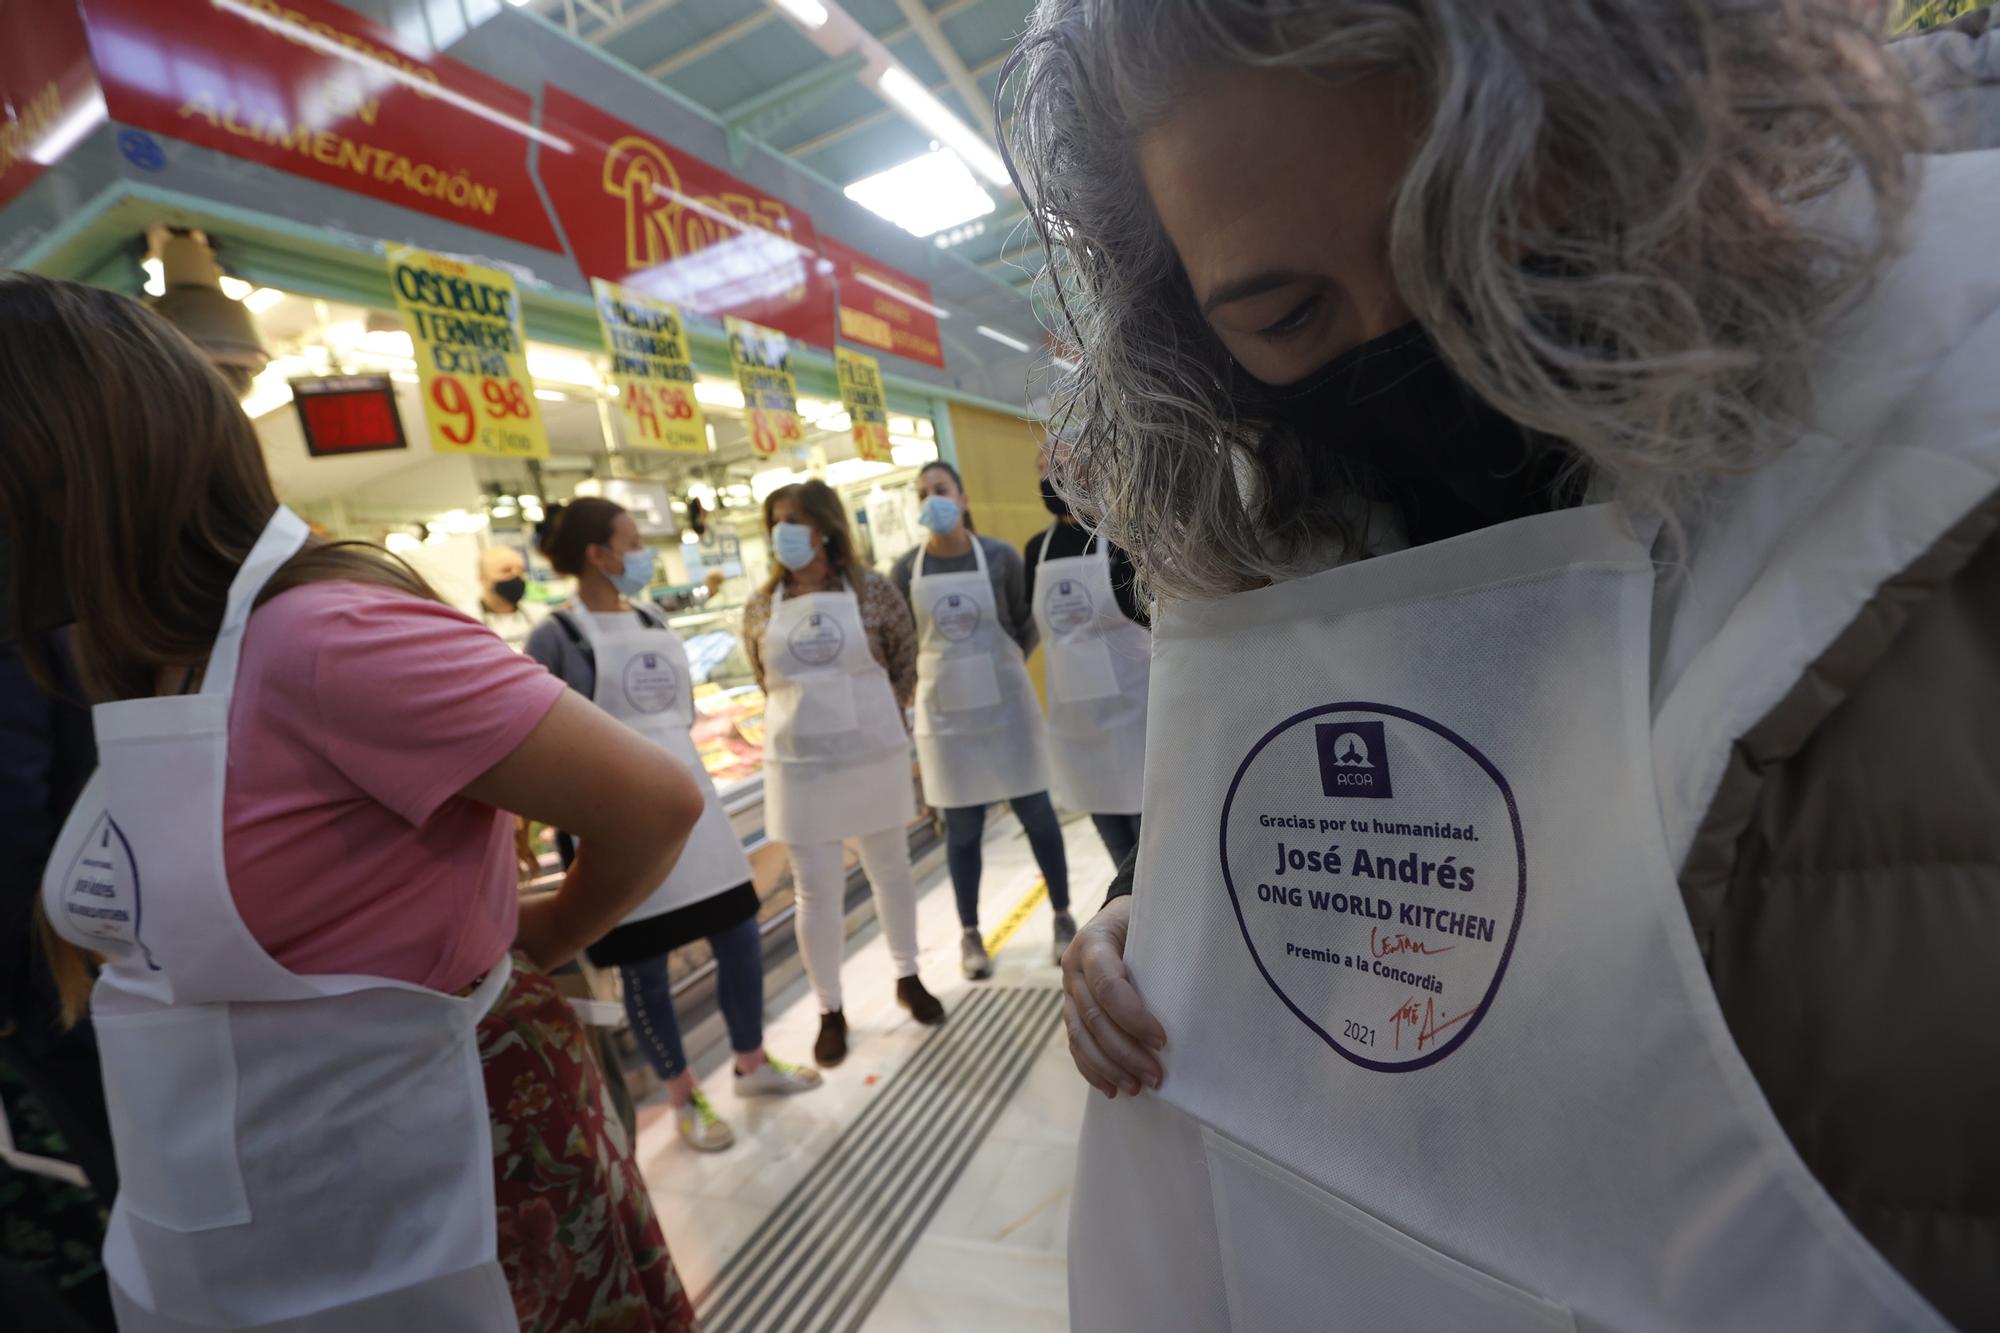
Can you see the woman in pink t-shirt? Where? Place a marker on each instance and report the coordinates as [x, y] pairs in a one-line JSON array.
[[377, 745]]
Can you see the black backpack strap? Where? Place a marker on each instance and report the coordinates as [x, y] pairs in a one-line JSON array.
[[576, 637]]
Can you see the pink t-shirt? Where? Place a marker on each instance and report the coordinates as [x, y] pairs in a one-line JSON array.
[[359, 714]]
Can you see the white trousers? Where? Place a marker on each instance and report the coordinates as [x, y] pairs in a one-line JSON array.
[[819, 884]]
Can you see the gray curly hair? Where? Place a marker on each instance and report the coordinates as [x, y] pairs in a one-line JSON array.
[[1659, 324]]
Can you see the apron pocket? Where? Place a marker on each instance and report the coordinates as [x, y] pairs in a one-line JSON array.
[[966, 683], [817, 705], [170, 1087], [1296, 1256], [1080, 670]]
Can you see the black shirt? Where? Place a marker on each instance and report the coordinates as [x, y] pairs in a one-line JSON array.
[[1070, 539]]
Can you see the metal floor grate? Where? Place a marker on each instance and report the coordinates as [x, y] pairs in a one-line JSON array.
[[822, 1259]]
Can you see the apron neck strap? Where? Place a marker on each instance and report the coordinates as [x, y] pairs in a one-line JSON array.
[[841, 584], [978, 555], [282, 537]]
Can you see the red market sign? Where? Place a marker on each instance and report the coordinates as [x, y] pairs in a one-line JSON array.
[[49, 100], [317, 90], [646, 214], [883, 307]]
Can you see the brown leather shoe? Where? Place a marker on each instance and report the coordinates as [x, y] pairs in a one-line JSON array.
[[831, 1048], [923, 1005]]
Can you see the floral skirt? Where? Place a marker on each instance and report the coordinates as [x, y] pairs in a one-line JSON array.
[[581, 1248]]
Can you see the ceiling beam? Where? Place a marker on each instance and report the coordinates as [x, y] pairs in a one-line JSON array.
[[757, 118], [931, 32], [810, 146], [712, 43], [628, 18]]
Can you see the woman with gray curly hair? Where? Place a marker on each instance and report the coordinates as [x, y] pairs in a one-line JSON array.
[[1564, 440]]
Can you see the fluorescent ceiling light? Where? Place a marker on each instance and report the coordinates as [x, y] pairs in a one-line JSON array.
[[849, 470], [718, 393], [908, 298], [916, 453], [1004, 339], [1066, 363], [71, 130], [809, 12], [234, 288], [156, 277], [915, 101], [545, 363], [551, 396], [388, 342], [305, 36], [262, 299], [922, 196]]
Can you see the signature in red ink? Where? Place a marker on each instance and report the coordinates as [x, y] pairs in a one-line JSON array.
[[1425, 1020], [1385, 945]]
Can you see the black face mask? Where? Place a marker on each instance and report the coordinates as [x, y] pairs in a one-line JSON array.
[[1394, 411], [511, 590], [1052, 502]]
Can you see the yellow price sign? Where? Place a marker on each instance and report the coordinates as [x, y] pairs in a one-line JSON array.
[[861, 393], [652, 368], [465, 323], [763, 361]]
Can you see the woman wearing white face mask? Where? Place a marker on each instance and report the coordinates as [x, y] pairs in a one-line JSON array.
[[979, 725], [623, 656], [835, 653]]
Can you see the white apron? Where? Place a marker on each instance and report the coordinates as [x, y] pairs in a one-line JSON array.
[[643, 680], [979, 725], [1442, 1053], [1097, 668], [836, 753], [294, 1152]]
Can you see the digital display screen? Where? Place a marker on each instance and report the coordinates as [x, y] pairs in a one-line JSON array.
[[348, 414]]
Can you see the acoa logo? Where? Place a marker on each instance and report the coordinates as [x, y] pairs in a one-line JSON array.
[[1353, 759]]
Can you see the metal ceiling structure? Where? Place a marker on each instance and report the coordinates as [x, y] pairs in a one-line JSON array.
[[746, 64]]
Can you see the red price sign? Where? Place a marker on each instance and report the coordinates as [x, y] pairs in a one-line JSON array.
[[653, 412], [460, 420], [763, 439]]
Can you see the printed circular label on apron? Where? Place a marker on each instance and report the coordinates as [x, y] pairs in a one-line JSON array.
[[651, 683], [817, 639], [100, 893], [1068, 606], [956, 616], [1375, 861]]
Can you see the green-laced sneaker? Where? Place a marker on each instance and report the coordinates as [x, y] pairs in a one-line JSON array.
[[701, 1128], [775, 1078]]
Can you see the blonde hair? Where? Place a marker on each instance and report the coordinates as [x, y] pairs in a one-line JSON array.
[[1658, 322]]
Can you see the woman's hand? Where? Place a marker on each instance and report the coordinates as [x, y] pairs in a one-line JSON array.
[[629, 804], [547, 933], [1111, 1036]]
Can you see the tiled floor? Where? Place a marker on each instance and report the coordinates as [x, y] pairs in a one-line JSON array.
[[993, 1256]]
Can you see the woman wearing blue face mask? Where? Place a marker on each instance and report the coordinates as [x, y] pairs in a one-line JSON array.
[[620, 653], [979, 725], [835, 653]]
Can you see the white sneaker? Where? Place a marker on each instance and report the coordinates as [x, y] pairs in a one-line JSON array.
[[972, 957], [775, 1078], [701, 1128]]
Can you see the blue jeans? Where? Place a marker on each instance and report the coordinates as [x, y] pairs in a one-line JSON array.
[[965, 828], [739, 992]]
